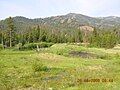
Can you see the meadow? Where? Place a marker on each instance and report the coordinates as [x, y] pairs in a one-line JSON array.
[[60, 67]]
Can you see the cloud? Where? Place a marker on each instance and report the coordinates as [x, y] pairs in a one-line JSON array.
[[98, 7], [43, 8], [12, 9]]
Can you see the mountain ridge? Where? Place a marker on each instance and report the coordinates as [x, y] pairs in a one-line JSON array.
[[70, 20], [67, 14]]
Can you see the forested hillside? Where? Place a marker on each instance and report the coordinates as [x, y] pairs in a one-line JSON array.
[[70, 28]]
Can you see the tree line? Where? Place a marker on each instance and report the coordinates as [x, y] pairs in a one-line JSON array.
[[98, 38]]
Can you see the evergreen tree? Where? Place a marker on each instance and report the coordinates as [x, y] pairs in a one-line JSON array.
[[11, 28]]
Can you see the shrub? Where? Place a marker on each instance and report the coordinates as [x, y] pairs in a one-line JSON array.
[[18, 46], [1, 47], [32, 46], [37, 66], [29, 46]]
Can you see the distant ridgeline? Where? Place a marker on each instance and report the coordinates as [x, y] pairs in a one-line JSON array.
[[72, 28]]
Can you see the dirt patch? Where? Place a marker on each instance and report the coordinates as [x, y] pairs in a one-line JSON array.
[[83, 54], [95, 67], [50, 57]]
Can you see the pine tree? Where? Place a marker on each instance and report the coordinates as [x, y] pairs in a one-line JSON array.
[[11, 28]]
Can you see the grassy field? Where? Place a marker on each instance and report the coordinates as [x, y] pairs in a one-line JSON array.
[[60, 67]]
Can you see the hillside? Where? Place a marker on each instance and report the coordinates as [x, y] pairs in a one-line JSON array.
[[70, 20]]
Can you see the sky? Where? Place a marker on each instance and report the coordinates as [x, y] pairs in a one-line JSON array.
[[46, 8]]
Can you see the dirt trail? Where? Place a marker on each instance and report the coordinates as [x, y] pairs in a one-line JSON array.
[[83, 54]]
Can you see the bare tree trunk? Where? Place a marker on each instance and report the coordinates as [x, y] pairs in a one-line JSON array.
[[10, 38], [38, 49], [2, 39]]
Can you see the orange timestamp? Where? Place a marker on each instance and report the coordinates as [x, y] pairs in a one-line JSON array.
[[95, 80]]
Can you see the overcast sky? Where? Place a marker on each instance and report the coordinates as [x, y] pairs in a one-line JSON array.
[[46, 8]]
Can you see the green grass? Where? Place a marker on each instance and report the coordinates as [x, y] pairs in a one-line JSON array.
[[18, 69]]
